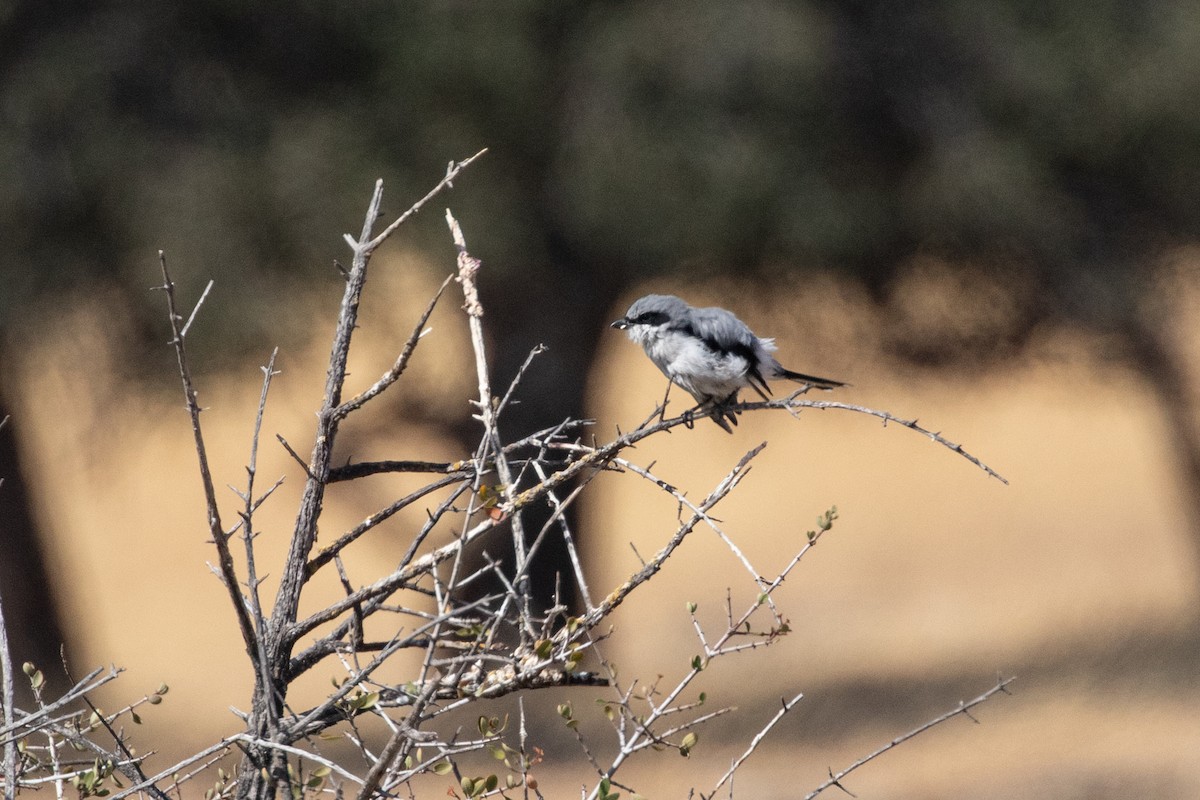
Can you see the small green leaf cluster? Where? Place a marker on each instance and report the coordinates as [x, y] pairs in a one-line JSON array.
[[824, 523], [518, 763], [224, 787], [606, 708], [36, 679], [544, 649], [360, 700], [91, 782], [606, 792], [300, 784], [475, 787]]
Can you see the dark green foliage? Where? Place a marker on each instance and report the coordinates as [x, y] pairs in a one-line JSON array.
[[625, 137]]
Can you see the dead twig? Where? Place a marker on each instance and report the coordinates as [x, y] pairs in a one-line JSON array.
[[963, 708]]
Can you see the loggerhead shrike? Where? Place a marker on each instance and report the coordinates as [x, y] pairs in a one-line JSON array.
[[707, 351]]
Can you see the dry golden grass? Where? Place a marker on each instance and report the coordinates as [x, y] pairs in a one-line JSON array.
[[1078, 576]]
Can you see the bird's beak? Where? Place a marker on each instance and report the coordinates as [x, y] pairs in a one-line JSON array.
[[620, 324]]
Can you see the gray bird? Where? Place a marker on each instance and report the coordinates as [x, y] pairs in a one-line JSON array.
[[709, 352]]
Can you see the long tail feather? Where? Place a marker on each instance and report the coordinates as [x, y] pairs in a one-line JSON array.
[[800, 377]]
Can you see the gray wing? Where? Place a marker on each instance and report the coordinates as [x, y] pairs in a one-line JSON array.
[[722, 332]]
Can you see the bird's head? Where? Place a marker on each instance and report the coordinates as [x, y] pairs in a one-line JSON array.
[[651, 313]]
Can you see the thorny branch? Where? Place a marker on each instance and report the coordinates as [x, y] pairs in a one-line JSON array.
[[963, 708], [215, 529], [792, 403]]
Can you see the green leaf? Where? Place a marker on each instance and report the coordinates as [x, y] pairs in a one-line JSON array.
[[442, 767], [697, 663], [543, 648], [691, 607]]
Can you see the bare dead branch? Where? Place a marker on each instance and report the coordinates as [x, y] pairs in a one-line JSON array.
[[196, 309], [393, 374], [362, 469], [323, 558], [251, 505], [220, 540], [7, 698], [304, 535], [468, 268], [963, 708], [793, 403], [452, 172], [618, 595], [787, 706]]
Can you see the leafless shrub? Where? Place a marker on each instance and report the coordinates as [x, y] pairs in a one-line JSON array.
[[471, 651]]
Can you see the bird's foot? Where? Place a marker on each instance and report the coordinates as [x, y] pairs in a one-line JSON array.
[[718, 413], [719, 416]]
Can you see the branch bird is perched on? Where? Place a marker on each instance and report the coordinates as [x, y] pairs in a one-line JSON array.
[[708, 352]]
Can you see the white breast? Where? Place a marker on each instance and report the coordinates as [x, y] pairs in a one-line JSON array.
[[690, 364]]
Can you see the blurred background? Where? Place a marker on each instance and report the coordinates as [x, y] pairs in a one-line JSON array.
[[984, 215]]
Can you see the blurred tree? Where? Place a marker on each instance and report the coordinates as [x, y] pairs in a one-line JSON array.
[[205, 129], [1044, 155], [30, 613]]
